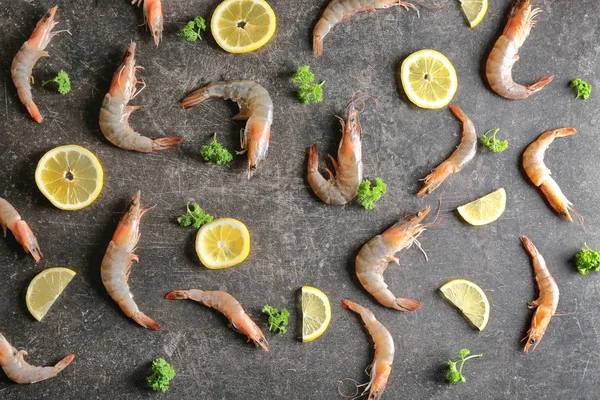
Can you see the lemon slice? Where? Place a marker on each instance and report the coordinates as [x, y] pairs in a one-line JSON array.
[[474, 10], [484, 210], [70, 177], [469, 299], [316, 313], [240, 26], [428, 78], [222, 243], [45, 288]]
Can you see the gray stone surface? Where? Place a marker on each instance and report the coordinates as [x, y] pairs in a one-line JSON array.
[[297, 240]]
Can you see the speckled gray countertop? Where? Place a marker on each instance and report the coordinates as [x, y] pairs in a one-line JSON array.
[[296, 239]]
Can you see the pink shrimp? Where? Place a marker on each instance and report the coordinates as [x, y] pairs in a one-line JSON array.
[[118, 260], [338, 10], [228, 306], [114, 113], [153, 16], [547, 302], [23, 63], [10, 219], [503, 56], [463, 154], [18, 370]]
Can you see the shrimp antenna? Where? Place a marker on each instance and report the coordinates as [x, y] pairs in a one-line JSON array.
[[362, 100], [580, 218], [354, 395], [433, 9]]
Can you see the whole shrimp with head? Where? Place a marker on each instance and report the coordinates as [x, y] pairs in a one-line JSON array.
[[114, 114], [153, 17], [463, 154], [228, 306], [338, 10], [341, 188], [381, 367], [255, 106], [503, 56], [375, 256], [18, 370], [23, 63], [118, 260], [10, 219], [546, 304], [539, 174]]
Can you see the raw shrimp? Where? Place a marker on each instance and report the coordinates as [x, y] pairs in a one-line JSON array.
[[462, 155], [118, 260], [153, 16], [338, 10], [255, 106], [375, 256], [228, 306], [503, 56], [546, 303], [381, 367], [539, 174], [348, 168], [23, 63], [20, 371], [114, 114], [10, 218]]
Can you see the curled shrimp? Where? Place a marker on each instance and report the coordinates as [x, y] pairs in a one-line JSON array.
[[503, 56], [23, 63], [153, 16], [255, 106], [228, 306], [118, 260], [114, 114], [337, 10], [18, 370], [381, 367], [463, 154], [342, 188], [547, 302], [10, 219], [375, 256], [539, 174]]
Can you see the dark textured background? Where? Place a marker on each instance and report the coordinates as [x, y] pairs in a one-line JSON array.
[[297, 240]]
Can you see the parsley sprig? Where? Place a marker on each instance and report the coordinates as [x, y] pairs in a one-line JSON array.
[[194, 216], [495, 145], [308, 91], [278, 319], [192, 31], [455, 375]]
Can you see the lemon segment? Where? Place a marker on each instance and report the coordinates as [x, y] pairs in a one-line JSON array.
[[70, 176], [469, 299], [484, 210], [240, 26], [474, 10], [45, 288], [428, 79], [222, 243], [316, 313]]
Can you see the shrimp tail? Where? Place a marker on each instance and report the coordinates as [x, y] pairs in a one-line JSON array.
[[195, 98], [436, 177], [458, 113], [313, 158], [34, 112], [178, 295], [406, 304], [539, 85], [146, 321], [62, 364], [165, 143], [318, 45], [529, 247]]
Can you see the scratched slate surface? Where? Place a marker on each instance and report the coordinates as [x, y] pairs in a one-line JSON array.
[[297, 240]]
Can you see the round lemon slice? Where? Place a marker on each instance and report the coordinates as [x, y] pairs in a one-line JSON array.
[[240, 26], [474, 10], [45, 288], [428, 78], [316, 313], [70, 177], [484, 210], [222, 243], [469, 299]]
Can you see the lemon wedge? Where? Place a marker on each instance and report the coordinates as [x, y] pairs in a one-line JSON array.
[[223, 243], [474, 10], [45, 288], [484, 210], [316, 313], [428, 79], [240, 26], [469, 299], [70, 176]]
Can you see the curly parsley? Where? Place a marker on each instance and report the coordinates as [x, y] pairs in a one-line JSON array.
[[308, 91], [495, 145]]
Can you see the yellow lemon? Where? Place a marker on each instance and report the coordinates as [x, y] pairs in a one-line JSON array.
[[45, 288], [222, 243], [316, 313], [474, 10], [484, 210], [469, 299]]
